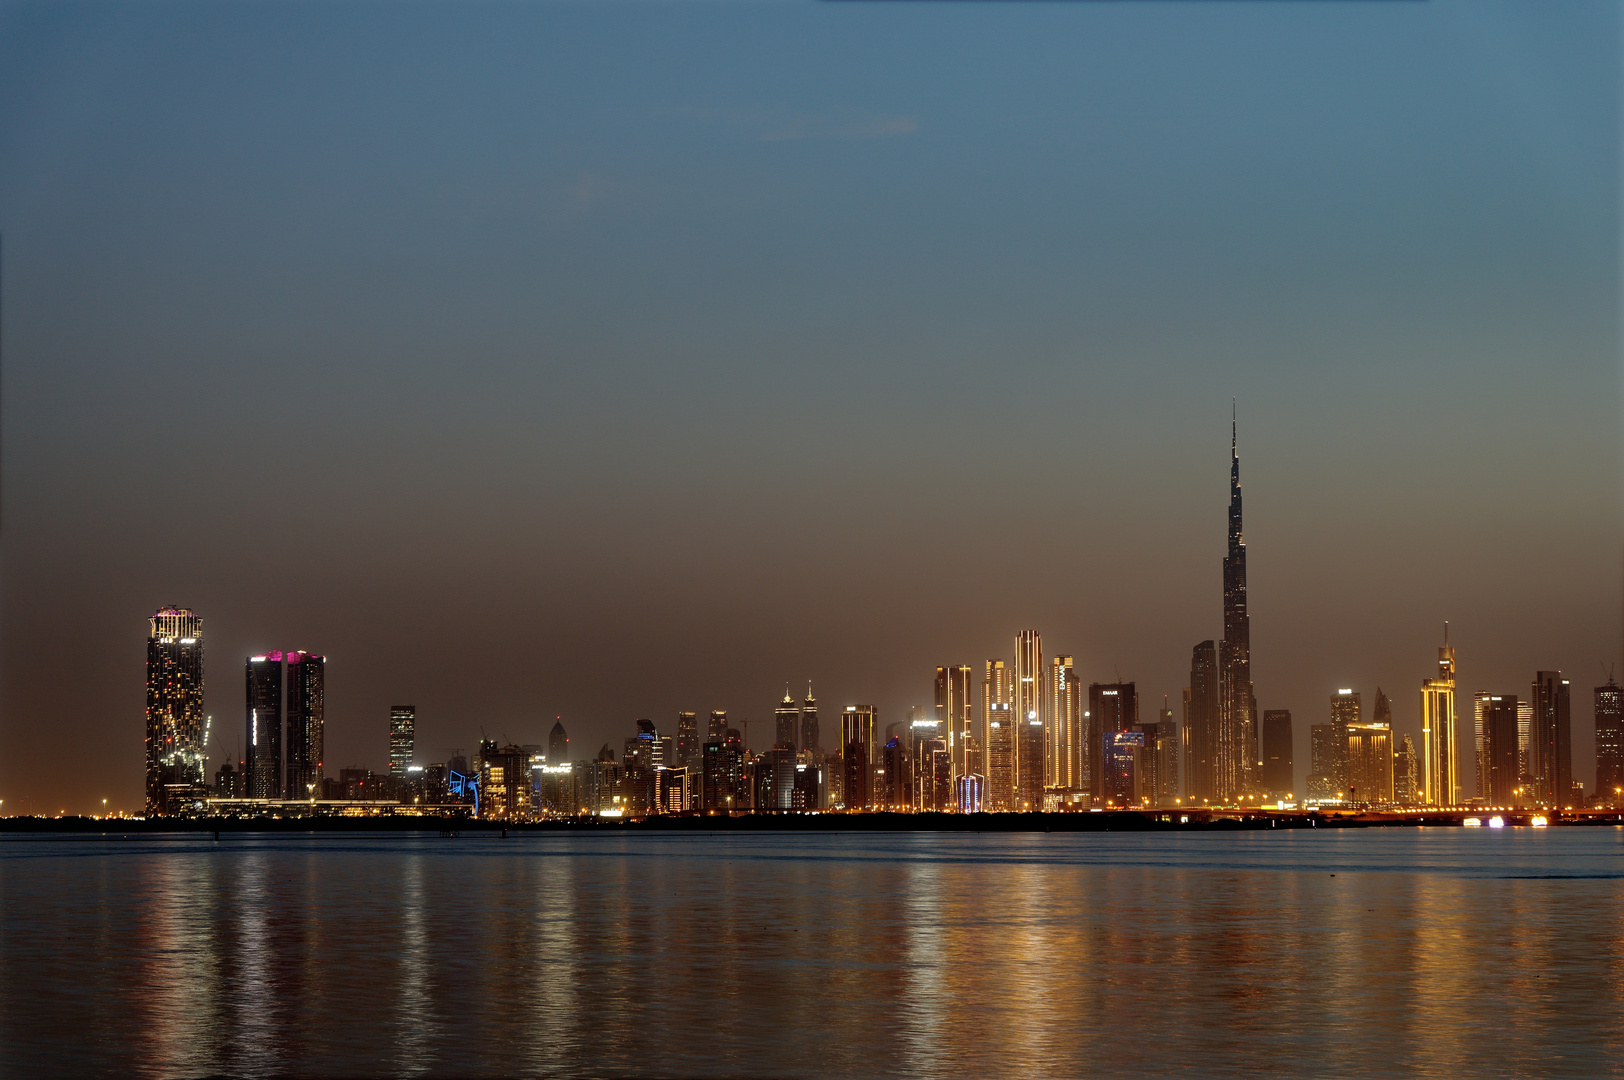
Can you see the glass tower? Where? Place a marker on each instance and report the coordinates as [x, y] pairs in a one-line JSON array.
[[177, 730]]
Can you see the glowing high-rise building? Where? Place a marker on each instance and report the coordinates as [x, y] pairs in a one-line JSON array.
[[954, 720], [306, 730], [1609, 715], [402, 738], [1480, 746], [1347, 709], [262, 742], [1030, 767], [1112, 708], [809, 722], [1440, 781], [786, 718], [1370, 764], [177, 730], [1063, 740]]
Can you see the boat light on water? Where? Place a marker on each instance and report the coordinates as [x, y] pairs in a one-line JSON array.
[[1538, 821], [1497, 822], [1473, 823]]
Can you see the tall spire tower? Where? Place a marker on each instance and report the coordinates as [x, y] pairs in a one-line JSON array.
[[1237, 718]]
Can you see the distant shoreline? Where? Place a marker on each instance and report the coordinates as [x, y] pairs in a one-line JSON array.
[[1111, 821]]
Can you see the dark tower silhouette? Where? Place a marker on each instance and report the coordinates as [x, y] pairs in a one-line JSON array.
[[1237, 750]]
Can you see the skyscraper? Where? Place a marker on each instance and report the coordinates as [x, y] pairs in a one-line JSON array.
[[717, 729], [1323, 761], [1112, 708], [1347, 709], [1370, 764], [1061, 733], [1200, 726], [1550, 742], [1030, 767], [262, 745], [177, 730], [1609, 742], [1236, 772], [999, 792], [1480, 745], [558, 743], [786, 718], [1504, 774], [953, 716], [688, 742], [402, 738], [1278, 777], [858, 754], [809, 722], [1167, 757], [1440, 781], [1406, 774], [306, 735]]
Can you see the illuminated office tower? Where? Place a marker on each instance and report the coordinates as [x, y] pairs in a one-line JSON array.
[[1500, 750], [1550, 741], [1480, 746], [717, 730], [1278, 777], [1440, 781], [402, 738], [688, 742], [999, 793], [1062, 743], [1030, 768], [894, 783], [953, 716], [558, 743], [306, 741], [1323, 758], [924, 741], [1167, 757], [177, 730], [1112, 708], [505, 792], [1122, 769], [1347, 709], [809, 722], [1237, 743], [725, 785], [858, 756], [995, 689], [262, 744], [1370, 764], [1610, 742], [1200, 726], [786, 718], [1406, 774], [1525, 727]]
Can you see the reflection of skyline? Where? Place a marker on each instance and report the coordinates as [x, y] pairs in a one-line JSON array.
[[1444, 950]]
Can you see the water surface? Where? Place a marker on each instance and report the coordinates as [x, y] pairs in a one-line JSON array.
[[1420, 952]]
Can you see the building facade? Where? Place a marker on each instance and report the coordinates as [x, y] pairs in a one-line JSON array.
[[306, 725], [1278, 776], [1440, 779], [262, 741], [402, 738], [1550, 742], [177, 728], [1609, 706]]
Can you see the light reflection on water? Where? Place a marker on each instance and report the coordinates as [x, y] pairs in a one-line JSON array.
[[1429, 952]]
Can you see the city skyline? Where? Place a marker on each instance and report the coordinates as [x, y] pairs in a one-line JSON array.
[[1037, 746], [604, 384]]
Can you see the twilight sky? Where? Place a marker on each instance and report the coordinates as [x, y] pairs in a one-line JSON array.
[[607, 360]]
